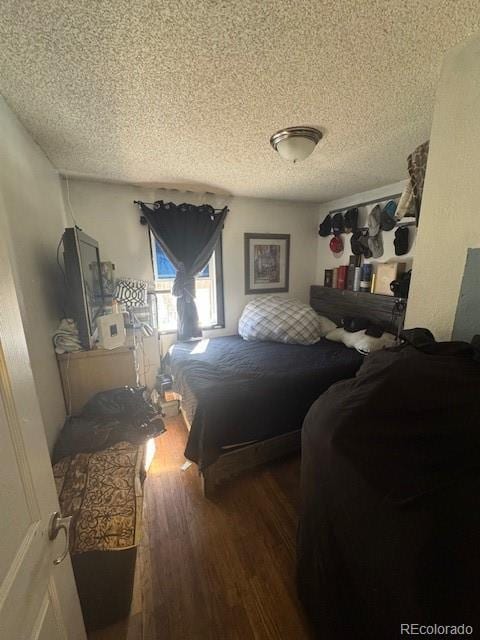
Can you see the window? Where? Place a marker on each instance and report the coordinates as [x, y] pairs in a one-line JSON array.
[[208, 290]]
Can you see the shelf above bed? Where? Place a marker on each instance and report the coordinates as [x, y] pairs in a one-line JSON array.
[[338, 303]]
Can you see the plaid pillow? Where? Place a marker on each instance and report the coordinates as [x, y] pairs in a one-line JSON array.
[[280, 320]]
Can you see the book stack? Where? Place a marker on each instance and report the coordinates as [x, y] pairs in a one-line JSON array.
[[358, 277], [346, 276], [336, 278]]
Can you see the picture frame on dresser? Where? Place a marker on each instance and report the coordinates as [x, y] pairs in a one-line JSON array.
[[267, 262]]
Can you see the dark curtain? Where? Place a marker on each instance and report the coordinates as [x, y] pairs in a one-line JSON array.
[[188, 235]]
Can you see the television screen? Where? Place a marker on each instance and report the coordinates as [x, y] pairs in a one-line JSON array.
[[90, 263], [83, 272]]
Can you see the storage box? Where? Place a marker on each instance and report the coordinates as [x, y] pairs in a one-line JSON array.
[[170, 406], [386, 273]]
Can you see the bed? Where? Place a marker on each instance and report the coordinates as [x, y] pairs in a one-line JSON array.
[[245, 402]]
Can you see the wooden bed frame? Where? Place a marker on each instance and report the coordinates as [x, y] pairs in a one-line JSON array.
[[233, 463], [335, 304]]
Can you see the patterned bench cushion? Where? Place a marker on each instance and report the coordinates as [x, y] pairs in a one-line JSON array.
[[102, 491]]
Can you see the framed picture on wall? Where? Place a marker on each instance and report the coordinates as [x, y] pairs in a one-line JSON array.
[[267, 258]]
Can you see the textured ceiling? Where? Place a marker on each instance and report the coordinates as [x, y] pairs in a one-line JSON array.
[[189, 91]]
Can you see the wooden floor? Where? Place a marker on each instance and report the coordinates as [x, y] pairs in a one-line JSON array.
[[221, 569]]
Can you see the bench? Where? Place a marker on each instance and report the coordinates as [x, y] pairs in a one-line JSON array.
[[103, 492]]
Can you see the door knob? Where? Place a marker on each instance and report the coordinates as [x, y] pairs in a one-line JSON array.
[[57, 523]]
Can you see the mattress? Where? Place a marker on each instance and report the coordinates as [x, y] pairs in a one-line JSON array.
[[236, 392]]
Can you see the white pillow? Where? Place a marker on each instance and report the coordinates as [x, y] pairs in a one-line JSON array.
[[326, 325], [282, 320], [360, 341]]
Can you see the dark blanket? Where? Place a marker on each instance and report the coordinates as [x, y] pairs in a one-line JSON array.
[[389, 529], [235, 391]]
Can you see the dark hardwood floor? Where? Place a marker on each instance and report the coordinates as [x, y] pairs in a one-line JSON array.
[[218, 569]]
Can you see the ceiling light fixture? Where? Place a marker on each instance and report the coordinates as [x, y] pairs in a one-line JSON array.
[[295, 143]]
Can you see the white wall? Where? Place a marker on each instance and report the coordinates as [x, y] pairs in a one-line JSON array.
[[106, 212], [328, 260], [449, 220], [251, 215], [31, 200]]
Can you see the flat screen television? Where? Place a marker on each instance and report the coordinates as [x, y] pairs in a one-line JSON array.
[[84, 282]]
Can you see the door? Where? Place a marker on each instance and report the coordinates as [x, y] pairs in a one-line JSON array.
[[38, 600]]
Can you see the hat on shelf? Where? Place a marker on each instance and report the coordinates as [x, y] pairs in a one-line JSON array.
[[359, 243], [338, 225], [401, 241], [387, 217], [336, 244], [351, 220], [364, 243], [375, 242], [374, 221], [355, 243], [325, 228]]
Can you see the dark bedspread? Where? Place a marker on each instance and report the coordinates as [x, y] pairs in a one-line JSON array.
[[390, 524], [235, 392]]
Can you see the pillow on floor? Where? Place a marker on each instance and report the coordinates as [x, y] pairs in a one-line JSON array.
[[360, 341], [282, 320]]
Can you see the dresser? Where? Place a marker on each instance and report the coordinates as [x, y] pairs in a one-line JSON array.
[[85, 373]]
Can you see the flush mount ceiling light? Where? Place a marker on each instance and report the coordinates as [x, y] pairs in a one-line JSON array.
[[295, 143]]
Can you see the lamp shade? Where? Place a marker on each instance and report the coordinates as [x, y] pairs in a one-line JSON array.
[[295, 143], [295, 149]]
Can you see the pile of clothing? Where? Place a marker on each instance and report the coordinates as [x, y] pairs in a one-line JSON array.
[[66, 338], [112, 416]]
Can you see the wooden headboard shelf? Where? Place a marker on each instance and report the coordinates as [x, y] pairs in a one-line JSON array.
[[338, 303]]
